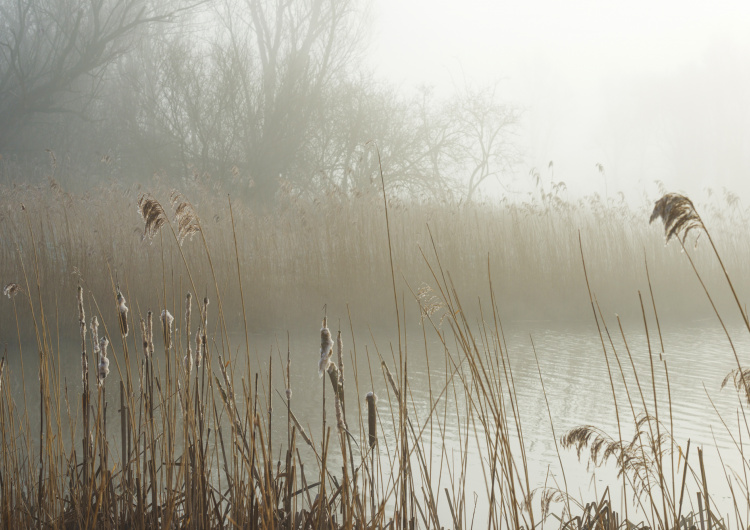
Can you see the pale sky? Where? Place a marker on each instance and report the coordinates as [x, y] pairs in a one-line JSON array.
[[594, 78]]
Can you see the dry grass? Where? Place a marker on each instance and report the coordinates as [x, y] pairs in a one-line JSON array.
[[163, 441]]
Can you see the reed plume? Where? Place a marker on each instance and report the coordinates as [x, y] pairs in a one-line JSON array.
[[122, 310], [741, 380], [679, 216], [153, 215], [326, 348], [185, 216], [167, 320]]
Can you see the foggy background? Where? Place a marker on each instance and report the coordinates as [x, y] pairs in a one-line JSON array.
[[481, 97], [652, 91]]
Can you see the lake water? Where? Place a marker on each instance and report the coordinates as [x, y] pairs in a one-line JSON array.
[[574, 372]]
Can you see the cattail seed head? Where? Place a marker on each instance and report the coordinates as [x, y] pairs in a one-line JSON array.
[[288, 380], [167, 320], [340, 356], [188, 362], [150, 332], [340, 422], [103, 368], [94, 326], [84, 369], [372, 401], [326, 348], [198, 348], [81, 313], [144, 336], [392, 382], [122, 309], [188, 312]]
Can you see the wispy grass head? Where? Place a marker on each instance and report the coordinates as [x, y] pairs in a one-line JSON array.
[[678, 214], [185, 216], [153, 214], [741, 380]]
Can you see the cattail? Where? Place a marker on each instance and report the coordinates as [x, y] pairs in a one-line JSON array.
[[340, 422], [123, 310], [204, 340], [372, 401], [82, 324], [198, 348], [81, 316], [166, 320], [288, 380], [150, 332], [326, 348], [340, 356], [338, 394], [94, 325], [389, 375], [144, 335], [188, 360], [103, 360]]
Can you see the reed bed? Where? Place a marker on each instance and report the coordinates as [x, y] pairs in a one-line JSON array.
[[171, 429], [330, 249]]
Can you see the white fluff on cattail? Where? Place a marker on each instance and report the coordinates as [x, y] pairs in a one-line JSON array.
[[326, 348], [167, 320], [123, 310], [150, 332], [188, 361], [95, 334], [198, 349], [103, 367]]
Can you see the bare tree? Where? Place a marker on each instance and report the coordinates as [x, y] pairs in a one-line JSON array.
[[484, 131], [54, 53]]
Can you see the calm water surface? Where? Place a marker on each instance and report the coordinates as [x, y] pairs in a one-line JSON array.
[[573, 368]]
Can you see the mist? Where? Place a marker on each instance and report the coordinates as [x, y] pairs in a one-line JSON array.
[[523, 225]]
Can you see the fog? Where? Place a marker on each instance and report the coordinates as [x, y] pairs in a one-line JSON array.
[[652, 91], [453, 188]]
